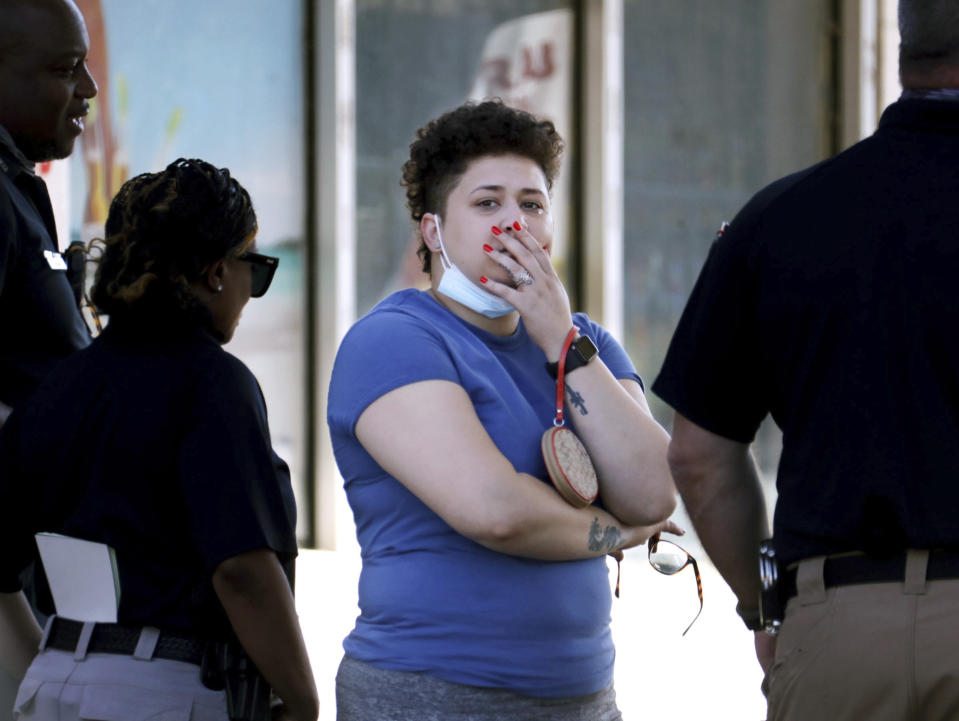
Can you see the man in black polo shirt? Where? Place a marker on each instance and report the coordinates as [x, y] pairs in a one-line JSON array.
[[44, 92], [832, 303]]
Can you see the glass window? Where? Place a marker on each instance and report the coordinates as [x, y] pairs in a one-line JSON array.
[[416, 59], [720, 100], [219, 80]]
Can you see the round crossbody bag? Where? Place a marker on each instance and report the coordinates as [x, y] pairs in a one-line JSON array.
[[569, 466]]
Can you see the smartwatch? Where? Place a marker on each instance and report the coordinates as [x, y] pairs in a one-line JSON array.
[[581, 351]]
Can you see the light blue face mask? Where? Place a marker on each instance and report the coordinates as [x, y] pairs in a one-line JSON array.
[[456, 286]]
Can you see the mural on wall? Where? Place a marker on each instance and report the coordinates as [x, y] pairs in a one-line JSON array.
[[101, 153], [222, 81]]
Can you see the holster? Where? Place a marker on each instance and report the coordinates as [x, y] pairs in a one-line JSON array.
[[226, 666], [771, 602]]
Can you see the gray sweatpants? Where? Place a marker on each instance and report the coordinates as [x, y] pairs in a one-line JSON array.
[[367, 693]]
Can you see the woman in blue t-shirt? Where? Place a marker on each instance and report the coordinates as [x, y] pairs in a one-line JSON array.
[[483, 592]]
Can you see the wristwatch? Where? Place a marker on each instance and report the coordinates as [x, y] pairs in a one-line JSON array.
[[581, 351]]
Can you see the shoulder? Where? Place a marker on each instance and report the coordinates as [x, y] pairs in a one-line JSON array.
[[779, 190], [403, 340], [768, 202], [415, 306], [217, 373], [796, 195], [404, 318], [406, 329]]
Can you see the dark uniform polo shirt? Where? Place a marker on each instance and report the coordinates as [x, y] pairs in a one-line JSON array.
[[39, 319], [154, 441], [832, 303]]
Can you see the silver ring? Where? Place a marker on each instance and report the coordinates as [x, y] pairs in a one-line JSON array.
[[524, 278]]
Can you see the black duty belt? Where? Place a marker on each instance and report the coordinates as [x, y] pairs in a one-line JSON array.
[[113, 638], [850, 570]]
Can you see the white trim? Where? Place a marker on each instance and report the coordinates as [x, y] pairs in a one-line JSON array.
[[614, 174], [335, 272], [602, 166]]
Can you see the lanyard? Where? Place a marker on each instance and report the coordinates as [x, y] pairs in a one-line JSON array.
[[561, 378]]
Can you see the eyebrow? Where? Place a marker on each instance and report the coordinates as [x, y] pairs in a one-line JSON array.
[[500, 188], [59, 56]]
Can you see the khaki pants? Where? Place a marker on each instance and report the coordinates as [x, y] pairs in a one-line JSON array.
[[876, 652], [61, 686]]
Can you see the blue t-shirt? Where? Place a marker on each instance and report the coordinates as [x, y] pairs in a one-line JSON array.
[[431, 599]]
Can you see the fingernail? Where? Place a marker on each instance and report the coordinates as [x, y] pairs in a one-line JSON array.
[[488, 248], [517, 225], [497, 231], [484, 279]]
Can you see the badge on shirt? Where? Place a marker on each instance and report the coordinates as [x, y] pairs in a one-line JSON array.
[[55, 260]]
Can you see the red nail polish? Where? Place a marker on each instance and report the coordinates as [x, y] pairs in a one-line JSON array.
[[517, 225], [488, 248], [497, 231], [484, 279]]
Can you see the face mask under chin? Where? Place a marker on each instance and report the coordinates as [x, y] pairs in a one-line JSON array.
[[456, 286]]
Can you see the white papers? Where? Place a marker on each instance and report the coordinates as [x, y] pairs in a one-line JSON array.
[[83, 577]]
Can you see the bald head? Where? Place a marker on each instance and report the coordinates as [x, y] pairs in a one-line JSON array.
[[44, 83], [929, 43], [18, 20]]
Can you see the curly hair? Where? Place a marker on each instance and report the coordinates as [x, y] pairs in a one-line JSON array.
[[163, 230], [446, 145]]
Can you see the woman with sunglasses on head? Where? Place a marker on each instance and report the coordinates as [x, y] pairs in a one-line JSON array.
[[484, 594], [154, 441]]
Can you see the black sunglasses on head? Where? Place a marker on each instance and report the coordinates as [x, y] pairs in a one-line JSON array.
[[264, 266]]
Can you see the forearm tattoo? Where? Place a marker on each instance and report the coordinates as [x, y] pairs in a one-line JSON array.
[[606, 540], [577, 401]]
